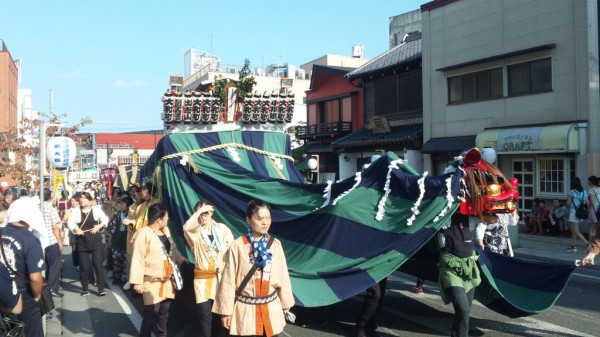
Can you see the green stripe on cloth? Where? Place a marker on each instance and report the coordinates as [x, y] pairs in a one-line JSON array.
[[275, 142], [360, 205]]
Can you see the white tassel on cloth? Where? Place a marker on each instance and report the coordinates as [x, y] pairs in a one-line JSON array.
[[184, 160], [415, 208], [235, 156], [449, 198], [327, 193], [358, 179], [394, 164]]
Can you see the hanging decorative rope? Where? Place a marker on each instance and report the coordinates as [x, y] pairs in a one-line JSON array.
[[156, 176], [224, 146]]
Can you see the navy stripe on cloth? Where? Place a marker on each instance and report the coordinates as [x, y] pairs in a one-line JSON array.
[[540, 276]]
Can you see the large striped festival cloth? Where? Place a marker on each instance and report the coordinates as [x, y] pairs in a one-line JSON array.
[[339, 238]]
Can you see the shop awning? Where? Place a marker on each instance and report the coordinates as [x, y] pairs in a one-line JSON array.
[[537, 139], [448, 144]]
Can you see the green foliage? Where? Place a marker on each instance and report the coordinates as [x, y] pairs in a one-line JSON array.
[[218, 87], [246, 81], [244, 85]]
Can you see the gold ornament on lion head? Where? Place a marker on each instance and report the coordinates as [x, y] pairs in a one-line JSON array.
[[493, 189]]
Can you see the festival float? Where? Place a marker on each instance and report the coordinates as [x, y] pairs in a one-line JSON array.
[[339, 237]]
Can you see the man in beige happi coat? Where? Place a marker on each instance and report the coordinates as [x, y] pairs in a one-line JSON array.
[[209, 240], [260, 307]]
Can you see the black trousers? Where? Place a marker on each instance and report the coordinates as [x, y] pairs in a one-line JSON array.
[[31, 316], [74, 254], [367, 319], [53, 256], [461, 301], [210, 324], [155, 314], [84, 262]]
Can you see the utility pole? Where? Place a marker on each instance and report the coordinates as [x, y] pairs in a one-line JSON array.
[[42, 155], [50, 169]]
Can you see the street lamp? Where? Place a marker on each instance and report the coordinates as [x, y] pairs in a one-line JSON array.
[[313, 165]]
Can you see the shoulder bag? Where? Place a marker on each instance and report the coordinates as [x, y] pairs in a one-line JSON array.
[[176, 277], [582, 211], [46, 301], [238, 292]]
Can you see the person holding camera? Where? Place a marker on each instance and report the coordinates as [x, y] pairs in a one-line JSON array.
[[593, 251]]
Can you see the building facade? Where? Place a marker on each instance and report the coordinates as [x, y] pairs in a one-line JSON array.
[[103, 150], [517, 76], [393, 101], [334, 110], [9, 79]]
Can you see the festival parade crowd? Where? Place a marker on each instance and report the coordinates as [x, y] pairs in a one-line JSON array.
[[241, 285]]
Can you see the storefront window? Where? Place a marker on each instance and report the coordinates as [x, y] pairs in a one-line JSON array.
[[552, 176], [523, 171]]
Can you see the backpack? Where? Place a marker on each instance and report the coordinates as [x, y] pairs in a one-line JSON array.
[[582, 211]]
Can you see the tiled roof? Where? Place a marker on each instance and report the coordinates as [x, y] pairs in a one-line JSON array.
[[408, 51], [366, 137]]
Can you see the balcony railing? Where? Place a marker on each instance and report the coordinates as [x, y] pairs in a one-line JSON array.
[[324, 129]]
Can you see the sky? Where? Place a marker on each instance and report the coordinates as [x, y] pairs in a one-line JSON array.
[[111, 60]]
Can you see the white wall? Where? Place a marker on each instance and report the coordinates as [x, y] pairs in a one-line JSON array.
[[491, 28], [469, 30]]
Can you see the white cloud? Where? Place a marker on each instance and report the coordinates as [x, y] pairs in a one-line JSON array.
[[127, 85]]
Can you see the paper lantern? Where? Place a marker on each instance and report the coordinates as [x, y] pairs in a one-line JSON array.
[[489, 154], [60, 151]]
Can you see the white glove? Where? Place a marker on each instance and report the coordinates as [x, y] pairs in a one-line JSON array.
[[289, 316]]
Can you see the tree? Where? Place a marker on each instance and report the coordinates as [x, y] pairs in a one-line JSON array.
[[18, 147], [244, 85], [246, 81]]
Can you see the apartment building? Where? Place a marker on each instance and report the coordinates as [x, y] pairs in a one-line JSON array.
[[9, 78], [520, 77]]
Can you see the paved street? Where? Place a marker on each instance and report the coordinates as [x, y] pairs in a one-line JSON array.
[[405, 313]]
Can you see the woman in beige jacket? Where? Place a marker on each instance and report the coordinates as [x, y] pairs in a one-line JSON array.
[[151, 270], [257, 309], [209, 241]]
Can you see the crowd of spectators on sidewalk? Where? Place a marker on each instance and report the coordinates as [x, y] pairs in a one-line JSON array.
[[564, 219]]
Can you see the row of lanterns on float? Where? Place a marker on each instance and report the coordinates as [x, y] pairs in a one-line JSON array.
[[204, 107]]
